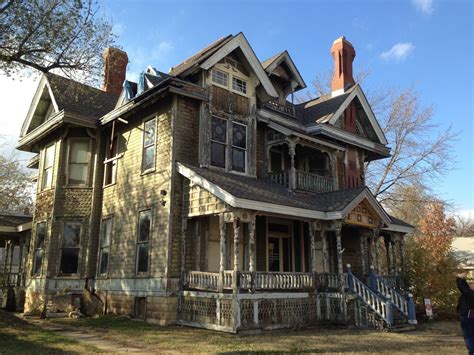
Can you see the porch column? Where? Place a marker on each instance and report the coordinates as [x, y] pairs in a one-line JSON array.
[[363, 241], [236, 255], [20, 262], [324, 239], [222, 231], [313, 245], [401, 251], [376, 250], [292, 152], [388, 254], [340, 270], [394, 255], [197, 238], [184, 227], [252, 261]]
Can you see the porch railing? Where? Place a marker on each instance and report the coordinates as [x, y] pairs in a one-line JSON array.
[[276, 281], [275, 106], [313, 182], [390, 280], [332, 280], [202, 280], [280, 177]]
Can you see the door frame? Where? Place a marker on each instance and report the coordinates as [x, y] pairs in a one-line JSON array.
[[290, 224]]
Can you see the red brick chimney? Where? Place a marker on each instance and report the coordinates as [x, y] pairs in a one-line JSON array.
[[115, 68], [343, 54]]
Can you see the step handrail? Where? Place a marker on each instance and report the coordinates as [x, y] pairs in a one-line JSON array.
[[382, 307], [398, 300]]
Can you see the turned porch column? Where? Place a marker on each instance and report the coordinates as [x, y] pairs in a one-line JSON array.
[[363, 253], [252, 261], [292, 152], [394, 256], [376, 250], [20, 262], [197, 236], [388, 254], [402, 254], [324, 238], [313, 245], [236, 224], [337, 230], [222, 232], [184, 226]]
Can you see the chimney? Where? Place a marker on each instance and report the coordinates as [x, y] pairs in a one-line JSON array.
[[114, 70], [343, 54]]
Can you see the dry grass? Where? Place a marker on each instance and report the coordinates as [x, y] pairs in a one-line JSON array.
[[20, 337], [438, 338]]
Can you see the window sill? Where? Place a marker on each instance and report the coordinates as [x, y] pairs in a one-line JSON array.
[[110, 185], [149, 171], [77, 187]]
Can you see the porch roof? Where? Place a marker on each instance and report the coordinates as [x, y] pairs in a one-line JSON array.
[[14, 222], [265, 195]]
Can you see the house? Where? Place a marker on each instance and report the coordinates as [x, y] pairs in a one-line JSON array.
[[203, 197], [15, 234]]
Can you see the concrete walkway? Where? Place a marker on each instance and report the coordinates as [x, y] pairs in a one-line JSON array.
[[88, 338]]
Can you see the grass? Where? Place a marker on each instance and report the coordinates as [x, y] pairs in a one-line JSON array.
[[20, 337], [439, 338]]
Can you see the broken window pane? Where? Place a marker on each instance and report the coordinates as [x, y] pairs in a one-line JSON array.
[[239, 85]]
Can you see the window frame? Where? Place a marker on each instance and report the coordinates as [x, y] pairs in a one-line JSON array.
[[101, 247], [145, 147], [223, 72], [34, 263], [138, 242], [238, 148], [114, 163], [49, 168], [89, 153], [225, 144], [60, 272], [235, 77]]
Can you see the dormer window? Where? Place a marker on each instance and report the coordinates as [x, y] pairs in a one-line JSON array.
[[220, 77]]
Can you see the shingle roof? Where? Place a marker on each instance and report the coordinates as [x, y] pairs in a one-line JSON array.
[[74, 97], [400, 222], [13, 220], [320, 110], [265, 190], [199, 56]]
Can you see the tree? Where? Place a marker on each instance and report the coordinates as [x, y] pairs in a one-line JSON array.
[[15, 186], [45, 35], [420, 151], [431, 263]]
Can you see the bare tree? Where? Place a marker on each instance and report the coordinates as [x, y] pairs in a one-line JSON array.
[[52, 34], [464, 226], [420, 150]]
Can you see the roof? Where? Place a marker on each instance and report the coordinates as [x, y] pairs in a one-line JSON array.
[[200, 56], [320, 109], [400, 222], [266, 63], [13, 220], [74, 97], [270, 192]]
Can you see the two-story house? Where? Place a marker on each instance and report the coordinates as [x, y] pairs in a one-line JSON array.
[[204, 197]]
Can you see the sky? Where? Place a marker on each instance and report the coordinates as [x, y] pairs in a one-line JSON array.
[[424, 44]]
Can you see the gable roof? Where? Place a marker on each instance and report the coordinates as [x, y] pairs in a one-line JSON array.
[[265, 195], [328, 109], [272, 63]]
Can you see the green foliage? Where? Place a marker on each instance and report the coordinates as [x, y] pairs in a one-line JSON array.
[[52, 34]]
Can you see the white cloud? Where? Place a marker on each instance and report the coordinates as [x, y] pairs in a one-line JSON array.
[[424, 6], [398, 52]]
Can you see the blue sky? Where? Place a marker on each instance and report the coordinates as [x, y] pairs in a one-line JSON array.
[[427, 44]]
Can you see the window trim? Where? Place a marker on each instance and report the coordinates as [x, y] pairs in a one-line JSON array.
[[219, 84], [114, 155], [230, 80], [100, 248], [35, 248], [89, 152], [61, 242], [225, 144], [137, 242], [146, 171], [43, 169], [236, 91], [238, 148]]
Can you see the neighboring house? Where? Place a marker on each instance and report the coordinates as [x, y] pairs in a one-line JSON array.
[[204, 197], [464, 249], [15, 233]]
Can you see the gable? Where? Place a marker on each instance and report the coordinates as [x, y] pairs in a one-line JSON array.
[[363, 215], [240, 42], [282, 66], [43, 106]]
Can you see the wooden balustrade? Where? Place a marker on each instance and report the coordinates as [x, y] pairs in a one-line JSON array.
[[280, 177], [313, 182], [390, 280], [332, 280], [398, 300], [275, 106], [200, 280]]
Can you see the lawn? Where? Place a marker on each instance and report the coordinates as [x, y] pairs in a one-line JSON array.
[[20, 337], [439, 338]]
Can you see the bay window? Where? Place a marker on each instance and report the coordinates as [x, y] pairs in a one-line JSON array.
[[48, 163], [70, 248], [78, 168]]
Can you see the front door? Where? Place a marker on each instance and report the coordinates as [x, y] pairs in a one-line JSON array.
[[279, 246]]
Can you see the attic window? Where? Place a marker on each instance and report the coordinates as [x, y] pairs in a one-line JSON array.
[[239, 85], [220, 77]]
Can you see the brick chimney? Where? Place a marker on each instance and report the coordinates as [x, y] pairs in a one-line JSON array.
[[115, 68], [343, 54]]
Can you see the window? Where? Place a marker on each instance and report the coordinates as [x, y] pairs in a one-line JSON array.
[[218, 142], [48, 163], [219, 77], [143, 240], [239, 146], [71, 239], [78, 162], [111, 166], [39, 247], [104, 246], [149, 141], [239, 85]]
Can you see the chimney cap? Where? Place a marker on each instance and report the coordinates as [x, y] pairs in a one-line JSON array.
[[342, 39]]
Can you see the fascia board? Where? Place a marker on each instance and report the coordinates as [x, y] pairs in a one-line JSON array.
[[396, 228], [41, 130], [24, 227], [33, 105], [285, 57], [366, 194], [240, 41], [8, 229]]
